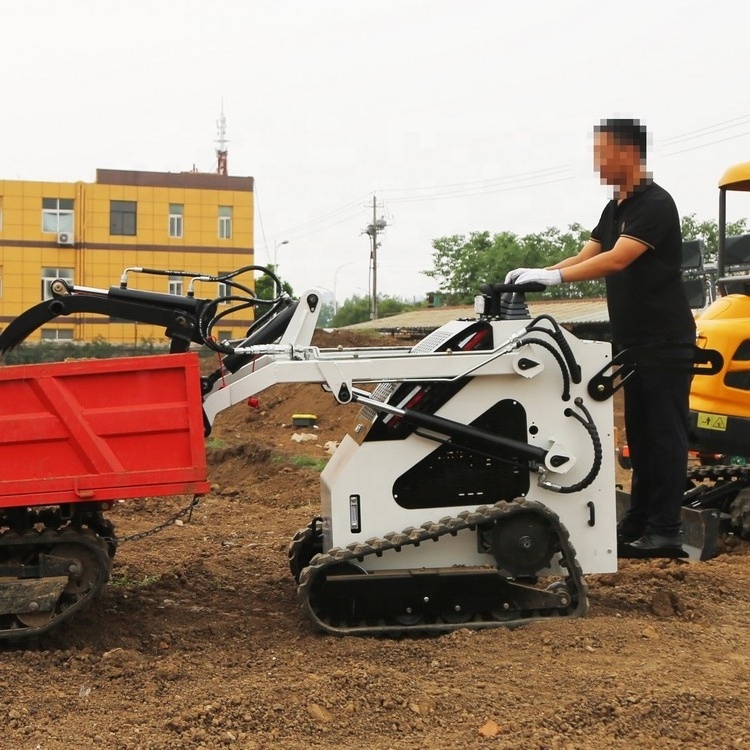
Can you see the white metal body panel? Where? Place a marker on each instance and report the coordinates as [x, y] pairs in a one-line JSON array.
[[369, 470]]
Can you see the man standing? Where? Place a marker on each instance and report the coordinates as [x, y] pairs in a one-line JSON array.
[[637, 248]]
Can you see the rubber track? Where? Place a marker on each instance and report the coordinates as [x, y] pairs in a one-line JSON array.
[[314, 574]]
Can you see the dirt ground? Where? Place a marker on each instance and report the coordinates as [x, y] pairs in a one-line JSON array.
[[198, 641]]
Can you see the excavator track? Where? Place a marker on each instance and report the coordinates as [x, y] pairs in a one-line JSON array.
[[48, 576], [733, 482], [341, 598], [720, 473]]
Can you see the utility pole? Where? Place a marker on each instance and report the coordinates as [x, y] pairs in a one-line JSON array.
[[373, 229]]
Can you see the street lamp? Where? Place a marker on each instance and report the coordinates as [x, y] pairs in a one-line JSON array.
[[276, 246], [335, 276]]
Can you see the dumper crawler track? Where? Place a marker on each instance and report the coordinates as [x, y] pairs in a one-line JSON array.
[[48, 576], [342, 598]]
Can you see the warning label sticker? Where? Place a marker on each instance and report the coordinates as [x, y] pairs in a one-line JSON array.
[[712, 421]]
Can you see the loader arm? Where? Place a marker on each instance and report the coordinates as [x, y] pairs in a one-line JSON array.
[[339, 371], [179, 315]]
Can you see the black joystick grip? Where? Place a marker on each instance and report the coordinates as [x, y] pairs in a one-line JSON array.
[[507, 301]]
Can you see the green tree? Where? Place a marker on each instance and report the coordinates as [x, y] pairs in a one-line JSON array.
[[265, 288], [356, 309], [353, 310], [551, 246], [461, 264], [326, 315]]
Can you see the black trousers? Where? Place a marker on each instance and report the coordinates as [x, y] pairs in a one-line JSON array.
[[656, 423]]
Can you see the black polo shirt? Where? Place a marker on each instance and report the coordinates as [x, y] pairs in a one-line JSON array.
[[646, 300]]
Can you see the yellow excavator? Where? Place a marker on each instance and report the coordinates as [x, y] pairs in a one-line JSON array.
[[720, 405]]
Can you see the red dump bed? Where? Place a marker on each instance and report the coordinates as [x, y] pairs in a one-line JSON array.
[[105, 429]]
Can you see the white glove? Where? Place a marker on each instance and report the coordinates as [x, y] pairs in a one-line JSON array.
[[539, 276], [511, 276]]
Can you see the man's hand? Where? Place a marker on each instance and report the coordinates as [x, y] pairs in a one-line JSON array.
[[538, 276], [511, 276]]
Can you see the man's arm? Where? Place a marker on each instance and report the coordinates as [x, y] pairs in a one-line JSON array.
[[591, 249], [599, 264], [589, 264]]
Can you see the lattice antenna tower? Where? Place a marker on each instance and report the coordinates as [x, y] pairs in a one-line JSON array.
[[222, 152]]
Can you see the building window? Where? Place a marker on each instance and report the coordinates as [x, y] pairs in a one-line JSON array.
[[225, 222], [225, 335], [175, 285], [57, 334], [1, 213], [1, 282], [122, 217], [224, 289], [175, 220], [57, 215], [49, 275]]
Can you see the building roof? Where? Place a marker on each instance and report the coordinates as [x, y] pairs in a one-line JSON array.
[[564, 311], [200, 180]]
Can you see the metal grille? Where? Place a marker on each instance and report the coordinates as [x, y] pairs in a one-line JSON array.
[[432, 342]]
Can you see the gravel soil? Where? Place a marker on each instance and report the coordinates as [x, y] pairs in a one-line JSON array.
[[198, 641]]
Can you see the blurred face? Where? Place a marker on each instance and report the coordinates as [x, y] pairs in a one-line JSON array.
[[616, 162]]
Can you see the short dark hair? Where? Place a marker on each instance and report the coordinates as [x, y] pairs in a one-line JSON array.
[[628, 132]]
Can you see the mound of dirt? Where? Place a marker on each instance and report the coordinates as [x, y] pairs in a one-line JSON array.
[[199, 642]]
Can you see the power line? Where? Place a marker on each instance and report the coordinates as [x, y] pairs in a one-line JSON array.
[[260, 218], [296, 236], [330, 214], [707, 130], [486, 181], [711, 143], [448, 190], [469, 194]]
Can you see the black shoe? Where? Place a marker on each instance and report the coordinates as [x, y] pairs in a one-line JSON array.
[[653, 545], [630, 529]]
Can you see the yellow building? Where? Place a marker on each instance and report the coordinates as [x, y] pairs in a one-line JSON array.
[[90, 232]]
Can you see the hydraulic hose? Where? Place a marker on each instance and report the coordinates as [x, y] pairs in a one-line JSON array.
[[558, 358], [562, 342], [590, 427]]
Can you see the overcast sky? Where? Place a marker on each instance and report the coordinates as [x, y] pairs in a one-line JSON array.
[[459, 115]]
